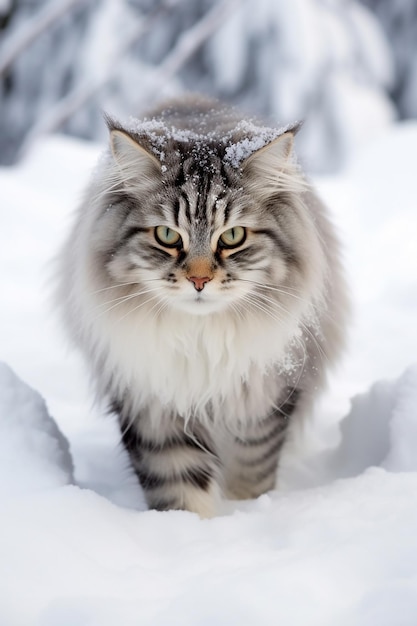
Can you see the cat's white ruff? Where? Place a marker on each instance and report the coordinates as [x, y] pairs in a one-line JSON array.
[[185, 361]]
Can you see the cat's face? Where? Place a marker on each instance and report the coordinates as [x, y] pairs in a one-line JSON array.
[[195, 234]]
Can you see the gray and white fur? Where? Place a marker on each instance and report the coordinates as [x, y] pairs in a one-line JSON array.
[[203, 284]]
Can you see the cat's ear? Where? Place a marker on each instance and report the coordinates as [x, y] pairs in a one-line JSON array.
[[133, 158], [273, 167], [275, 154]]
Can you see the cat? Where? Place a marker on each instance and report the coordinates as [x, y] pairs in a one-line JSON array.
[[202, 281]]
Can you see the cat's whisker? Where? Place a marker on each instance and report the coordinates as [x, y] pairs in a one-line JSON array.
[[164, 305], [302, 324], [162, 302], [256, 297], [287, 291], [279, 305], [272, 303], [235, 306], [298, 340], [117, 286], [123, 300], [139, 306], [127, 297], [269, 286], [254, 302], [263, 306], [308, 331]]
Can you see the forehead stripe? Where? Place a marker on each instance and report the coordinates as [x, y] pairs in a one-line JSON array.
[[187, 205], [176, 211]]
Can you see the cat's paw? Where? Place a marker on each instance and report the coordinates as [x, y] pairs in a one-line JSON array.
[[204, 502]]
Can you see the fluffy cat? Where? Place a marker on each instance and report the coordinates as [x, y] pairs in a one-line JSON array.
[[202, 282]]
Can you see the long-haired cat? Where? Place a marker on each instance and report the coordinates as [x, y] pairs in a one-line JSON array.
[[202, 282]]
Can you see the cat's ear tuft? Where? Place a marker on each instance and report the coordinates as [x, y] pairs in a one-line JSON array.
[[129, 154]]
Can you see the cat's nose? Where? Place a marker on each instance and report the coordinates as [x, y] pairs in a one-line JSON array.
[[199, 282]]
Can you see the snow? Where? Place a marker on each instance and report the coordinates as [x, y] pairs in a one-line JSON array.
[[293, 59], [5, 5], [159, 131], [257, 137], [336, 544], [327, 63], [32, 448], [380, 430]]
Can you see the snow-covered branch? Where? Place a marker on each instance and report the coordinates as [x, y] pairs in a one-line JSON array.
[[57, 70], [188, 43], [78, 97], [28, 33]]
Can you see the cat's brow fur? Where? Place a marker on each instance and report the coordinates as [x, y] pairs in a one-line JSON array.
[[205, 381]]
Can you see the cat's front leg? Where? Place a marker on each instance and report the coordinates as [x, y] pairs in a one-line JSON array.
[[251, 459], [176, 469]]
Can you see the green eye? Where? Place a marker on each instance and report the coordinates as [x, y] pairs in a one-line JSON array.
[[233, 237], [167, 237]]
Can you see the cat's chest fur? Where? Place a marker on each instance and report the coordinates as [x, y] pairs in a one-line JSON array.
[[191, 362]]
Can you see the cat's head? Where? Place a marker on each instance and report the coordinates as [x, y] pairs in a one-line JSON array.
[[206, 222]]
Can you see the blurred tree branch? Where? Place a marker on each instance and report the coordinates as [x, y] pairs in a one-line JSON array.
[[187, 44], [190, 42], [13, 47]]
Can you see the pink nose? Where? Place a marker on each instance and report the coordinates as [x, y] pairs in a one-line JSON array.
[[199, 282]]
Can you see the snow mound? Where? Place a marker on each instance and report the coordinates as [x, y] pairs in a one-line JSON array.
[[34, 454], [342, 553], [344, 548], [379, 431]]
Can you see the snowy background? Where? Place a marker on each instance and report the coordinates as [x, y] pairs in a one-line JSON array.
[[347, 67], [336, 544]]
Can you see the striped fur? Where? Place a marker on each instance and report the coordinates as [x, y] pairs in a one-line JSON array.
[[207, 353]]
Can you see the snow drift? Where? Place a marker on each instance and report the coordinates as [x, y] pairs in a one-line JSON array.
[[34, 454], [344, 553]]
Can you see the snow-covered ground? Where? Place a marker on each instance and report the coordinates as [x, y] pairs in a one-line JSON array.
[[337, 544]]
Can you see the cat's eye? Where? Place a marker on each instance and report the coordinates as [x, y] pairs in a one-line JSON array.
[[167, 237], [233, 237]]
